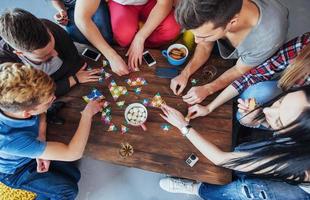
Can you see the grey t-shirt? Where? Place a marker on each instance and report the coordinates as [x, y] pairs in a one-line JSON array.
[[264, 39], [49, 67]]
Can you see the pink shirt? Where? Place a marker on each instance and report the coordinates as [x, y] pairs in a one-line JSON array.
[[131, 2]]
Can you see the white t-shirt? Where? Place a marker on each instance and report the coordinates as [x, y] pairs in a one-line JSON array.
[[131, 2]]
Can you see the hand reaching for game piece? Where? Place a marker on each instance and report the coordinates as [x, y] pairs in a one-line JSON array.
[[198, 111], [92, 108], [197, 94], [178, 84], [135, 53], [118, 65], [62, 17], [173, 116]]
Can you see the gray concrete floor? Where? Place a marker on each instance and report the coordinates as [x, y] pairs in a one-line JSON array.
[[104, 181]]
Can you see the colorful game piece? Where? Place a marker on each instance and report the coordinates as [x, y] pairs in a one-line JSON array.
[[146, 102], [124, 129], [101, 80], [107, 111], [194, 81], [106, 119], [157, 101], [112, 128], [94, 95], [126, 150], [117, 91], [89, 68], [106, 104], [165, 127], [105, 63], [138, 90], [104, 74], [138, 81], [120, 104]]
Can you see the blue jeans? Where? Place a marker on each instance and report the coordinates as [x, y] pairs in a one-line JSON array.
[[262, 92], [59, 183], [102, 20], [252, 189]]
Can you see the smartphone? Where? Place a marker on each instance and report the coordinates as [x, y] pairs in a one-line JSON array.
[[164, 72], [148, 58], [192, 160], [93, 55]]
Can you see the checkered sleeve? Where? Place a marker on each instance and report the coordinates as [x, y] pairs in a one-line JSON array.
[[274, 66]]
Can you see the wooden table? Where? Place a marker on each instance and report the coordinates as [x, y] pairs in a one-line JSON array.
[[154, 150]]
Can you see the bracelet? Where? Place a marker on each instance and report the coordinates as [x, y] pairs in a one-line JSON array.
[[76, 79]]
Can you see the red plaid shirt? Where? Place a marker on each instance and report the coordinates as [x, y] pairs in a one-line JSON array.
[[274, 66]]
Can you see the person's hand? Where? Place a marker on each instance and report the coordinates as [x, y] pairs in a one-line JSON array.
[[178, 84], [62, 17], [85, 76], [198, 111], [135, 53], [92, 108], [42, 165], [118, 65], [173, 116], [197, 94], [248, 114]]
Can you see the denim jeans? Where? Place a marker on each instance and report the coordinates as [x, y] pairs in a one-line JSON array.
[[262, 92], [252, 189], [101, 18], [59, 183]]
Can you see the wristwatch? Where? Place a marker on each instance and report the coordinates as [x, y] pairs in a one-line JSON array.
[[185, 130]]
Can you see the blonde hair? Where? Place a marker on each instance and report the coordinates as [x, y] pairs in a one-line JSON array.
[[298, 69], [23, 87]]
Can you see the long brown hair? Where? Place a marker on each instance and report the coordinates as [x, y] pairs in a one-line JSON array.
[[298, 69]]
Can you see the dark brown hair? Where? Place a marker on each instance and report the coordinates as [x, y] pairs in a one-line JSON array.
[[23, 31], [192, 14]]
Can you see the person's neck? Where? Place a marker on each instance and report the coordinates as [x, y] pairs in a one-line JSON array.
[[18, 115], [248, 19]]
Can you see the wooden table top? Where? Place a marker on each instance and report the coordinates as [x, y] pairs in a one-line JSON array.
[[154, 150]]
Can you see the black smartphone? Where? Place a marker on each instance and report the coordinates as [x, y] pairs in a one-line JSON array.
[[148, 58], [93, 55], [164, 72]]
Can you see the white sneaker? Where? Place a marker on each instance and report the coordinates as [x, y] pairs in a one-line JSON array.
[[174, 185]]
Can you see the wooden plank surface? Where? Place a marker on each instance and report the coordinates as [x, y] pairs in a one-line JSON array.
[[154, 150]]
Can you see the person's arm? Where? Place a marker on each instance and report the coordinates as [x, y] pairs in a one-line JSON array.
[[74, 150], [84, 10], [201, 55], [207, 148], [62, 16], [199, 110], [199, 93]]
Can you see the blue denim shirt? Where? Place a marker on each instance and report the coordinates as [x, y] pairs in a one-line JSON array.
[[18, 142]]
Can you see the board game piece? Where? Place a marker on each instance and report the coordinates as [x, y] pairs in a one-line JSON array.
[[145, 102], [117, 91], [138, 81], [94, 95], [124, 129], [157, 101], [138, 90], [126, 150], [194, 81], [120, 104], [105, 63], [165, 127], [112, 128]]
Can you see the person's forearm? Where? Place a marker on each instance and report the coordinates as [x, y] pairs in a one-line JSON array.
[[42, 127], [226, 95], [201, 55], [79, 140], [157, 15], [58, 5], [211, 151]]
